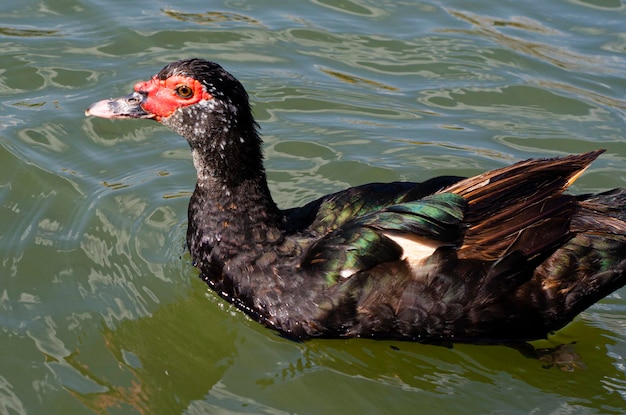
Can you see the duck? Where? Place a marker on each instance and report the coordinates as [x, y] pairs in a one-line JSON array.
[[504, 256]]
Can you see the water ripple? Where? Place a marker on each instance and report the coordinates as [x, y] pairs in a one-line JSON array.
[[560, 56], [23, 32], [216, 19], [9, 401], [98, 298]]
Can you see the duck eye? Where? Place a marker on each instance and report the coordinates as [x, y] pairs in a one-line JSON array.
[[183, 91]]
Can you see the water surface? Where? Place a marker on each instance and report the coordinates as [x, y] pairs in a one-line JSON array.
[[100, 309]]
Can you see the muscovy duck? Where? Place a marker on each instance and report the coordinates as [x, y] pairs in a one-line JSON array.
[[505, 256]]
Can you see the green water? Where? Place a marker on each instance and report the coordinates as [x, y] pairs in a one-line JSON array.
[[100, 309]]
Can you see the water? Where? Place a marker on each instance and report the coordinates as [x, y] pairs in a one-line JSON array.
[[100, 310]]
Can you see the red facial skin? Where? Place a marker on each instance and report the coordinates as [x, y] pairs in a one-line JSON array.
[[165, 96]]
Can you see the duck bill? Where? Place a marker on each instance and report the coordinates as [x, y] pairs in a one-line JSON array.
[[129, 106]]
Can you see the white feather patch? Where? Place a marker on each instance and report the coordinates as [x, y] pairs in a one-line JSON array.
[[413, 251], [347, 273]]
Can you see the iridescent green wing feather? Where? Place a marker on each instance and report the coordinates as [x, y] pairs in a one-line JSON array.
[[333, 211], [365, 242]]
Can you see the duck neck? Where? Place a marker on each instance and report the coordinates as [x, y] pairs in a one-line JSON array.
[[231, 181], [231, 212]]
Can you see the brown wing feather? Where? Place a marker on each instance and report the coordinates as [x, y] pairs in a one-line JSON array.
[[529, 204]]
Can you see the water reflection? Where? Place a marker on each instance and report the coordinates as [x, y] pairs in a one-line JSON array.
[[464, 370], [170, 358]]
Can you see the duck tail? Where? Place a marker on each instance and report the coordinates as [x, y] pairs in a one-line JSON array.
[[592, 264]]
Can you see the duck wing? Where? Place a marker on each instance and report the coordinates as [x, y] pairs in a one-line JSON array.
[[322, 216], [506, 218], [411, 230]]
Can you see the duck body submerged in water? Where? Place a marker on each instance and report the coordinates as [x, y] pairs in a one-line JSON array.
[[501, 257]]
